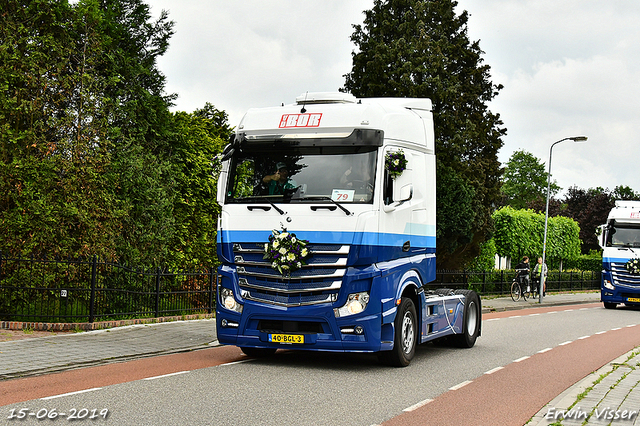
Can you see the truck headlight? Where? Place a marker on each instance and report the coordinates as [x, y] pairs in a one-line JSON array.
[[607, 284], [356, 303], [228, 301]]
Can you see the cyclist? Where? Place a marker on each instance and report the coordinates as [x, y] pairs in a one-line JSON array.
[[522, 275]]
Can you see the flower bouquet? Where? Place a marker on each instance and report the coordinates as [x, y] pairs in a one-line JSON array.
[[286, 252], [395, 163], [633, 266]]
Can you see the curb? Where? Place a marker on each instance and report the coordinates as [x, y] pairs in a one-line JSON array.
[[100, 325]]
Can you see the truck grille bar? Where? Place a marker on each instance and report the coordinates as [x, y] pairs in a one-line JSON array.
[[622, 277], [317, 282]]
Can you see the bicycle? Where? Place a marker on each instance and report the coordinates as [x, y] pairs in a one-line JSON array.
[[521, 287]]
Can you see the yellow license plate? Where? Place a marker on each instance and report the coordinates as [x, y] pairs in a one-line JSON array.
[[287, 338], [633, 299]]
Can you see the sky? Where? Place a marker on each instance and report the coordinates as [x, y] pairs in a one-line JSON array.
[[569, 68]]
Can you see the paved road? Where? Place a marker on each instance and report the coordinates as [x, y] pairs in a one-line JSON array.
[[37, 356]]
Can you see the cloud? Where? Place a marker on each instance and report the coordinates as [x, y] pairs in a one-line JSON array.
[[568, 68]]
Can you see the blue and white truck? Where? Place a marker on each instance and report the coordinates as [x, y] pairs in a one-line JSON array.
[[327, 231], [620, 242]]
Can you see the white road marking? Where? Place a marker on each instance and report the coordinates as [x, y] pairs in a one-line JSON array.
[[418, 405], [46, 398], [165, 375], [460, 385], [494, 370]]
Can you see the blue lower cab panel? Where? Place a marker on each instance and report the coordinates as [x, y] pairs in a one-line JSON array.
[[318, 330], [620, 295]]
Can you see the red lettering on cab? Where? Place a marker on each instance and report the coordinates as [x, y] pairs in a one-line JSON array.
[[300, 120]]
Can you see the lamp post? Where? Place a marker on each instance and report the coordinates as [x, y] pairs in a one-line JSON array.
[[546, 214]]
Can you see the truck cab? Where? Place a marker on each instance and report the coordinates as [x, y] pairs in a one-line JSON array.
[[327, 230], [620, 242]]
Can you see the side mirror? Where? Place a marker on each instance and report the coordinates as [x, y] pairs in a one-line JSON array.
[[406, 193], [601, 235]]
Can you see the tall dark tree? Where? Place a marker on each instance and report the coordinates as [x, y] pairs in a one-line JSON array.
[[420, 48]]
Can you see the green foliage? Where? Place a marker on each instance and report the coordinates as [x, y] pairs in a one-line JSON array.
[[92, 162], [520, 233], [525, 180], [585, 262], [486, 259], [419, 48], [201, 136]]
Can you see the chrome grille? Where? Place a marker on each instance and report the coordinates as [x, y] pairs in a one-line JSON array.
[[622, 277], [317, 282]]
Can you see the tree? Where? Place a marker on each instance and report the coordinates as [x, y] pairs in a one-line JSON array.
[[200, 136], [590, 208], [622, 192], [420, 48], [525, 180], [520, 233], [85, 160]]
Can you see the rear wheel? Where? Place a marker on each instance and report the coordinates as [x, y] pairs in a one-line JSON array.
[[258, 352], [405, 336], [515, 291], [472, 317]]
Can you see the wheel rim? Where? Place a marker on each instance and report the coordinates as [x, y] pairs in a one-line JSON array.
[[407, 333], [472, 318]]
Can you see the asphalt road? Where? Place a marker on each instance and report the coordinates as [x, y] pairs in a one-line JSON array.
[[533, 348]]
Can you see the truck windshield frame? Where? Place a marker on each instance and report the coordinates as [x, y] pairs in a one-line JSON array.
[[623, 235], [320, 171]]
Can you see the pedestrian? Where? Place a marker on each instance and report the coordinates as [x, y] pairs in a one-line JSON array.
[[539, 271]]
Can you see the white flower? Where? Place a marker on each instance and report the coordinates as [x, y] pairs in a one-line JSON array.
[[293, 240], [299, 265], [274, 265], [285, 267], [283, 250], [275, 244], [266, 247], [283, 235], [304, 252], [291, 256]]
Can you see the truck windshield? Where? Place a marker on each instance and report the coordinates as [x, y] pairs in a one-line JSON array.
[[297, 174], [623, 236]]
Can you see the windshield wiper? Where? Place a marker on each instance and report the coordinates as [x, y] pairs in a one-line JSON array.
[[347, 212], [260, 199]]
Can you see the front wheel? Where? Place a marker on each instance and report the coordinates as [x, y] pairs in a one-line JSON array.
[[515, 291], [609, 305], [405, 336]]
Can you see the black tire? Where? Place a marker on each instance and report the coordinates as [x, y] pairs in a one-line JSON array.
[[609, 305], [443, 291], [405, 336], [258, 352], [515, 291], [472, 320]]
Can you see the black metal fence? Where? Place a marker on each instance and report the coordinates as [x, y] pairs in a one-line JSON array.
[[498, 282], [88, 290]]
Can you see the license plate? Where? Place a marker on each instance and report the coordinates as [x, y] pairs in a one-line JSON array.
[[286, 338], [633, 299]]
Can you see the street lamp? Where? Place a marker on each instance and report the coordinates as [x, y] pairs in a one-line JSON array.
[[546, 214]]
